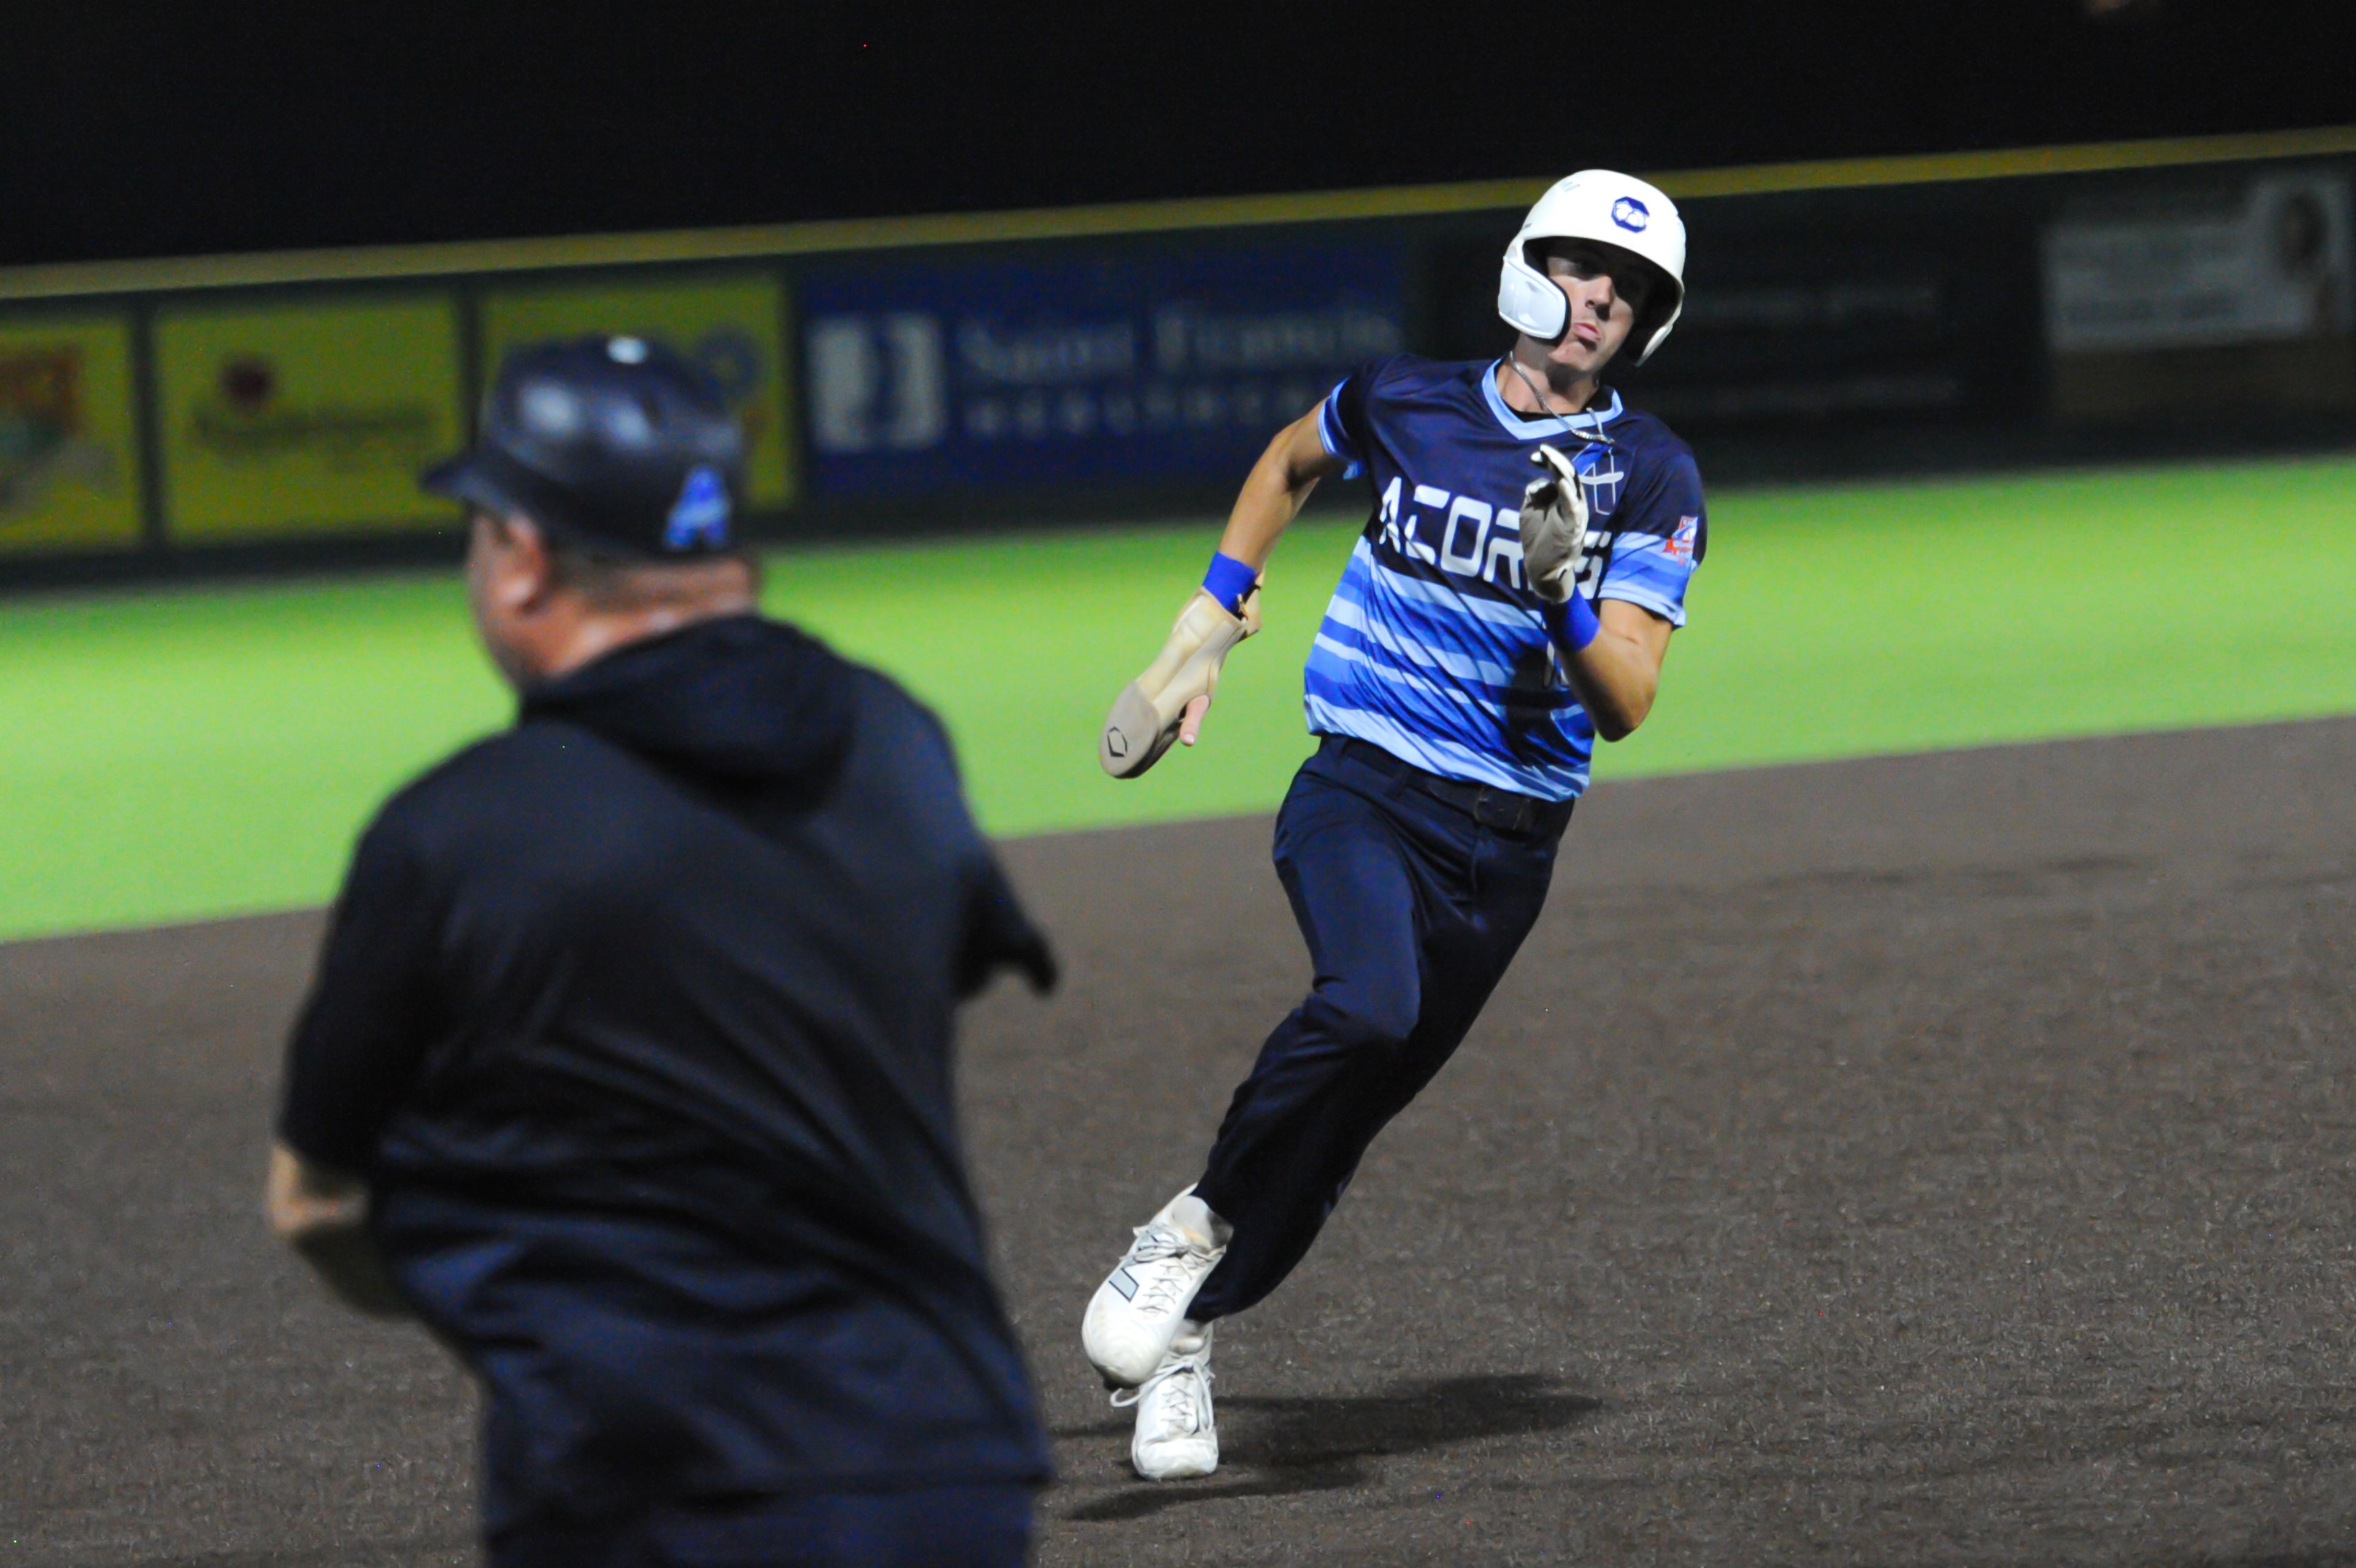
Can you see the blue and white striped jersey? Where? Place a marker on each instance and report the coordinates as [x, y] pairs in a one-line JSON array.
[[1432, 647]]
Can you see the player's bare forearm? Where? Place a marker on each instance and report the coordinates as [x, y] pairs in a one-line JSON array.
[[1272, 495], [322, 1215], [1276, 489], [1618, 675]]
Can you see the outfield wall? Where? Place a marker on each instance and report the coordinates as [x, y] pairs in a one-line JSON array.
[[2053, 304]]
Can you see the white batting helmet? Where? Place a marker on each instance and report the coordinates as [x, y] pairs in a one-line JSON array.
[[1600, 205]]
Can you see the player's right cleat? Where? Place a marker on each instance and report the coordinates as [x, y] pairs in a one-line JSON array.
[[1141, 1306], [1176, 1437]]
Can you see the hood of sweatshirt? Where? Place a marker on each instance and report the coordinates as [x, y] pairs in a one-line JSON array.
[[738, 701]]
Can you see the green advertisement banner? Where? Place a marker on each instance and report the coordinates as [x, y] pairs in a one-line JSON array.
[[69, 435], [732, 326], [313, 418]]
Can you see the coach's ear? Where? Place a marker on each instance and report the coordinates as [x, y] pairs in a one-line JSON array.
[[520, 569], [511, 585]]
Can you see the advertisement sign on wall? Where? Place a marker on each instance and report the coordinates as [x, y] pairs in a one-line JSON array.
[[303, 418], [2273, 263], [1109, 368], [1763, 350], [734, 327], [1868, 317], [69, 447]]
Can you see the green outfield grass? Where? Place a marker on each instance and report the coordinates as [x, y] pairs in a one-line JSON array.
[[188, 754]]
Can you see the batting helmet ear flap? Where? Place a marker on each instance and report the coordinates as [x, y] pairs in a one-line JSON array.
[[1528, 299]]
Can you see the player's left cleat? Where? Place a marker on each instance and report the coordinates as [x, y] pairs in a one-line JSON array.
[[1177, 1438], [1141, 1306]]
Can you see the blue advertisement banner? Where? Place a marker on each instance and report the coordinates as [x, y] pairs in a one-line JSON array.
[[1113, 368]]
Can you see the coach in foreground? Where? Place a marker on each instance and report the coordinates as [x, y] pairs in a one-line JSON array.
[[1523, 563], [627, 1067]]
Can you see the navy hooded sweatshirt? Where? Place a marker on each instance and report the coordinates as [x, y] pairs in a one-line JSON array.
[[638, 1020]]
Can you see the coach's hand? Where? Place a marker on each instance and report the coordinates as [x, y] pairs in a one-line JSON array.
[[1554, 527], [1166, 703], [322, 1215]]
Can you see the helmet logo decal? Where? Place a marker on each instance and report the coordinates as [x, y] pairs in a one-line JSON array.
[[1630, 214], [699, 519]]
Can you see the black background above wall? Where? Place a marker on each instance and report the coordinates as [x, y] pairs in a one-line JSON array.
[[132, 132]]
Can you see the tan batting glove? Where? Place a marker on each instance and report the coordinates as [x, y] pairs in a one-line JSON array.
[[1175, 688], [1554, 527]]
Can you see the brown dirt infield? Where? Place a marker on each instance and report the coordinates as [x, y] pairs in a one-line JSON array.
[[1932, 1161]]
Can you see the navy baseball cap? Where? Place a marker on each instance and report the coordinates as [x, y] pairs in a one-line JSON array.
[[616, 443]]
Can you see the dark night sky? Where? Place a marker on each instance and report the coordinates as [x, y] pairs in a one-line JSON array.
[[126, 135]]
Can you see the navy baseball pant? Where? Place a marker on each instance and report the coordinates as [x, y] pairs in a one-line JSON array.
[[1413, 905]]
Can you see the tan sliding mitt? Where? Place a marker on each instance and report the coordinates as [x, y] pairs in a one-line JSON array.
[[1145, 717]]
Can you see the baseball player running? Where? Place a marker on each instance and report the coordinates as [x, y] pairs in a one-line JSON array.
[[627, 1068], [1512, 598]]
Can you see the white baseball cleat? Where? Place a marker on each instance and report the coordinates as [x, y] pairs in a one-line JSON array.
[[1177, 1438], [1141, 1304]]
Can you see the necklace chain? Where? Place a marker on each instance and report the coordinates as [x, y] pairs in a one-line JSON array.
[[1538, 392]]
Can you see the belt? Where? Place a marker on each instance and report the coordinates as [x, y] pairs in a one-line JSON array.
[[1506, 810]]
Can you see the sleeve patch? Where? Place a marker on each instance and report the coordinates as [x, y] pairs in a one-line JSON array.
[[1683, 539], [1653, 570]]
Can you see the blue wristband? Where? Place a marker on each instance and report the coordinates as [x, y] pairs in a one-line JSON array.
[[1230, 581], [1572, 625]]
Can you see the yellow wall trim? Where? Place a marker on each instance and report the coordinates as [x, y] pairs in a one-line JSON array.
[[80, 278]]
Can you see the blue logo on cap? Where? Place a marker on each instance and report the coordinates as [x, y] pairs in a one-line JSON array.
[[1630, 214], [699, 519]]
